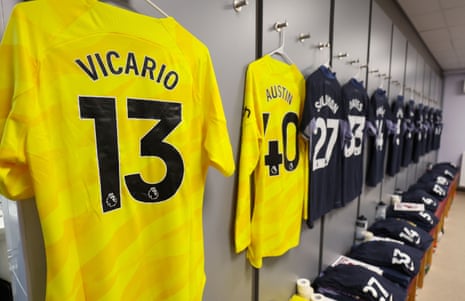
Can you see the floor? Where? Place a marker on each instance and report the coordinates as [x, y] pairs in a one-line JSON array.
[[446, 276]]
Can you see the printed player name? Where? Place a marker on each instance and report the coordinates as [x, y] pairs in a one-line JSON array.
[[99, 65]]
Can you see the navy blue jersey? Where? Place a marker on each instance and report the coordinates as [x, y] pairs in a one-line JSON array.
[[437, 129], [446, 168], [435, 176], [394, 255], [420, 196], [358, 283], [402, 230], [355, 101], [426, 130], [426, 220], [396, 140], [409, 128], [433, 188], [322, 124], [429, 144], [419, 133], [380, 126]]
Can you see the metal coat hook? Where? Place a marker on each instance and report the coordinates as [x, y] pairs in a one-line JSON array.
[[373, 71], [341, 55], [363, 67], [322, 45], [279, 26], [304, 36], [355, 62], [157, 8], [238, 4]]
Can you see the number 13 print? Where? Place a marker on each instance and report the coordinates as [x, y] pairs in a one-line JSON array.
[[103, 111]]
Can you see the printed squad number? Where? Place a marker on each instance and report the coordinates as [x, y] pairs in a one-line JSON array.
[[323, 126], [398, 129], [357, 125], [274, 158], [399, 257], [103, 111], [425, 215], [380, 134], [376, 290], [410, 235]]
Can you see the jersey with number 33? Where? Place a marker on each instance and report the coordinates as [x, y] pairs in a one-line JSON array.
[[355, 100], [110, 120]]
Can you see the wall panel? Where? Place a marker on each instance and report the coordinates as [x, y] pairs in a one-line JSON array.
[[402, 176], [433, 104], [452, 142], [231, 42], [277, 276], [397, 74], [410, 77], [418, 90], [427, 81], [379, 58], [303, 17], [350, 36]]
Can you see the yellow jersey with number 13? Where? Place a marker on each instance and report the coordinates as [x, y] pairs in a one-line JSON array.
[[110, 119]]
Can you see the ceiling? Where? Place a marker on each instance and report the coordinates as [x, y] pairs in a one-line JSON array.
[[441, 25]]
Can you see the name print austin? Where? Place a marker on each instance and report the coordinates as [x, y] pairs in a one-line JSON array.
[[278, 91], [99, 65]]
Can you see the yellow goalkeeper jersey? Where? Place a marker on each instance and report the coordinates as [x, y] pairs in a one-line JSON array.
[[110, 119], [273, 161]]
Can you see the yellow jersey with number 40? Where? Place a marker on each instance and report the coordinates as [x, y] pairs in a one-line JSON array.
[[273, 162], [110, 119]]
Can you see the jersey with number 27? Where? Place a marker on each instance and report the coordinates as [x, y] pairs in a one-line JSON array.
[[110, 120], [321, 123]]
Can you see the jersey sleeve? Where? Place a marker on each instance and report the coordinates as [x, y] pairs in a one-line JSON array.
[[391, 121], [346, 132], [305, 149], [17, 97], [248, 160], [344, 125], [217, 143], [307, 123], [371, 117]]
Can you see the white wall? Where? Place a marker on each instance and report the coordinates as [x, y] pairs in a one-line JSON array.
[[453, 116]]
